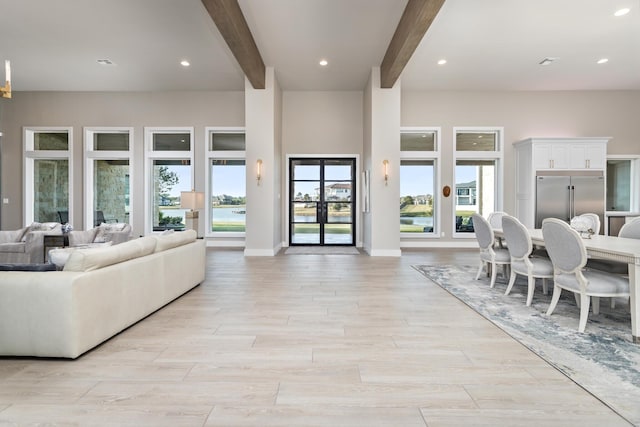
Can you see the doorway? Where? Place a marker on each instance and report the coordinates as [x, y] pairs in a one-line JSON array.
[[322, 201]]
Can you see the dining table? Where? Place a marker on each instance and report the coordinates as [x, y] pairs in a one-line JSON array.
[[610, 248]]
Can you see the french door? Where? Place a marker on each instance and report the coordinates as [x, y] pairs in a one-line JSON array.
[[322, 201]]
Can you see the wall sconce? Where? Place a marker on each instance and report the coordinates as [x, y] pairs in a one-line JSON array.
[[385, 164], [259, 170], [6, 89]]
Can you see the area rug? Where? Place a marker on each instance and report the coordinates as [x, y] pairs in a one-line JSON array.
[[322, 250], [603, 360]]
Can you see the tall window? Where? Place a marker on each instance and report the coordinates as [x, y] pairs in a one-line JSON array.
[[623, 178], [419, 155], [48, 174], [478, 175], [169, 153], [108, 161], [226, 210]]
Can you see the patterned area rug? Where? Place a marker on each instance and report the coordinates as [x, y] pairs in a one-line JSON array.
[[322, 250], [603, 360]]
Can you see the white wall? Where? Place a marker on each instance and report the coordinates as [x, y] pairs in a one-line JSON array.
[[313, 123], [320, 124], [524, 115], [135, 109]]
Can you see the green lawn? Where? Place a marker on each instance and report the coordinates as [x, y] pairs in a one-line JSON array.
[[228, 226]]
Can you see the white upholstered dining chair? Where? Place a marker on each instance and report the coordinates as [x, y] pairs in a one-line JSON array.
[[495, 221], [490, 255], [569, 256], [520, 248], [586, 223]]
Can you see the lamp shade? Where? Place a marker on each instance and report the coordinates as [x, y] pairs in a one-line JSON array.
[[192, 200]]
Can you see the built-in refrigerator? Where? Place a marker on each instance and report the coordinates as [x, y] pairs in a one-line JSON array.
[[564, 195]]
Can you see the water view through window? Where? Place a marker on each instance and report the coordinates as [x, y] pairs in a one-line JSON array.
[[228, 195], [416, 196]]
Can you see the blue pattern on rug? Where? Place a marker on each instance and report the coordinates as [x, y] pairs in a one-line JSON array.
[[603, 360]]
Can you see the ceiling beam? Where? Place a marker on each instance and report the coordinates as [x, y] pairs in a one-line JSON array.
[[414, 23], [230, 21]]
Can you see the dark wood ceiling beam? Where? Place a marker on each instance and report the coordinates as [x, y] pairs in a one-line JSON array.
[[414, 23], [230, 21]]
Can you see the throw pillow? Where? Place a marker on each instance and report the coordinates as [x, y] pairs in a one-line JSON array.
[[38, 226], [167, 231], [105, 230]]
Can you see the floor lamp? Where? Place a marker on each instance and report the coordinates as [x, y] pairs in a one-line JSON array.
[[192, 200]]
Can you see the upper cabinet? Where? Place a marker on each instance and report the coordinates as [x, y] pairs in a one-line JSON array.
[[566, 153]]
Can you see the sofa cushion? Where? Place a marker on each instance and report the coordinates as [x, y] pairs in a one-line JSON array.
[[39, 226], [27, 267], [13, 247], [94, 258], [12, 236], [173, 240], [104, 231]]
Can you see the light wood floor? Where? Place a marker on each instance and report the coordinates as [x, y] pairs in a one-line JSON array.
[[304, 340]]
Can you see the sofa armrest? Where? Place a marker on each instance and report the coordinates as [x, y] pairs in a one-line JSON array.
[[34, 244]]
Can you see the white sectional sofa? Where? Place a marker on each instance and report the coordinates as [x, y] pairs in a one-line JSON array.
[[100, 292]]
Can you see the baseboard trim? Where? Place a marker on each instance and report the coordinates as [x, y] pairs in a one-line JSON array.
[[385, 252], [437, 244]]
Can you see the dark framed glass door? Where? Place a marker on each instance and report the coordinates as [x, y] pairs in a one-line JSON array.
[[322, 201]]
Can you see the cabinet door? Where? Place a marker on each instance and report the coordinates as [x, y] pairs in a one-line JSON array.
[[550, 156], [588, 156], [542, 156]]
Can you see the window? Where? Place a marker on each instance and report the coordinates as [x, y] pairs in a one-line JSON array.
[[169, 159], [419, 155], [623, 177], [478, 175], [226, 212], [108, 160], [48, 174]]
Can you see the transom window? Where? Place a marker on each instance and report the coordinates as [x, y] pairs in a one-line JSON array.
[[169, 161], [108, 164], [48, 174], [226, 182], [478, 175], [419, 157]]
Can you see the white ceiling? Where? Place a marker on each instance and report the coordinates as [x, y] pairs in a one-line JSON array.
[[489, 44]]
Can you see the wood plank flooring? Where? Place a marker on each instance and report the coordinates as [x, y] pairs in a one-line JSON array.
[[304, 340]]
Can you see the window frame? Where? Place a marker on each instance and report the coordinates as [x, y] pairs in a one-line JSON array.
[[497, 156], [150, 155], [434, 156], [634, 203], [30, 154], [91, 155], [220, 155]]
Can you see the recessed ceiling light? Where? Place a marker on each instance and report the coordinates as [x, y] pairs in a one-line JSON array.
[[323, 62], [622, 12], [442, 62], [603, 61], [547, 61], [185, 63], [105, 62]]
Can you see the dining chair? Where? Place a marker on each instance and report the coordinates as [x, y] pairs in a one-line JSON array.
[[495, 221], [590, 221], [569, 257], [520, 248], [490, 255], [98, 218]]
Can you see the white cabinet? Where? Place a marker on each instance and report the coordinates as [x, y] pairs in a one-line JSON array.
[[588, 156], [550, 156], [568, 153], [536, 155]]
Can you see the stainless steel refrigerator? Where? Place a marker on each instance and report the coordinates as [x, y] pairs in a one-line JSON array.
[[564, 195]]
